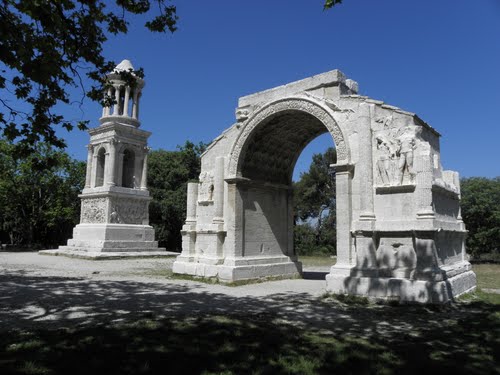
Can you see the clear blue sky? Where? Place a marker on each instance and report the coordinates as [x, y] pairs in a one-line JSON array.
[[439, 59]]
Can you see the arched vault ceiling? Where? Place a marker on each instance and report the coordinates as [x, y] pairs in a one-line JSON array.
[[273, 149]]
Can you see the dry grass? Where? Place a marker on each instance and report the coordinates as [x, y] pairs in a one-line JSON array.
[[317, 261], [488, 275]]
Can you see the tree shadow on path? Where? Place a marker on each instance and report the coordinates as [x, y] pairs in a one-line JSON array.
[[75, 325]]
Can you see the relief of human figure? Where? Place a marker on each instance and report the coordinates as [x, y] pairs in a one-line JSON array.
[[405, 162], [384, 160], [114, 218], [395, 157], [206, 186]]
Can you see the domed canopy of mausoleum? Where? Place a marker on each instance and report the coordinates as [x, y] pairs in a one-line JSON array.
[[123, 89], [124, 66]]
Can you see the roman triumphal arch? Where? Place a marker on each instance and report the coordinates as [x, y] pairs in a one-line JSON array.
[[399, 230]]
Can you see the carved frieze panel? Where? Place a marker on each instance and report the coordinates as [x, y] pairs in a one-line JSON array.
[[102, 135], [395, 150], [206, 187], [128, 211], [122, 211], [94, 210]]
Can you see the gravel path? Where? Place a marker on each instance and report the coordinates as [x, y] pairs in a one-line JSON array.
[[155, 270], [37, 289]]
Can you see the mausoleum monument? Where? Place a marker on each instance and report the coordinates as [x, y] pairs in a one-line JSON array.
[[399, 230], [114, 218]]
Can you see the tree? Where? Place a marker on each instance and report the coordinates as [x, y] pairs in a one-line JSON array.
[[48, 47], [314, 204], [168, 175], [40, 206], [331, 3], [481, 214]]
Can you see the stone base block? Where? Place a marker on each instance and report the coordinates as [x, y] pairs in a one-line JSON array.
[[108, 255], [111, 241], [111, 232], [403, 290], [231, 273]]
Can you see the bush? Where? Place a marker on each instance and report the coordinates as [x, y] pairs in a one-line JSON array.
[[306, 242], [481, 214]]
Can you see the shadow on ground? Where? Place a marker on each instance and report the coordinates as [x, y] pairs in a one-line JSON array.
[[314, 275], [66, 325]]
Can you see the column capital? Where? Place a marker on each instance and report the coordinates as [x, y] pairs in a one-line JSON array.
[[343, 168]]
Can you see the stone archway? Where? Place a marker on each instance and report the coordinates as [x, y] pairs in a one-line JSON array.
[[399, 230], [305, 105], [261, 164]]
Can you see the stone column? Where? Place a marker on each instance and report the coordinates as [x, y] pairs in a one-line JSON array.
[[344, 240], [424, 182], [125, 102], [365, 170], [290, 224], [119, 169], [366, 258], [138, 169], [192, 201], [235, 222], [107, 109], [94, 171], [135, 105], [88, 175], [189, 228], [219, 190], [110, 166], [116, 110], [144, 176]]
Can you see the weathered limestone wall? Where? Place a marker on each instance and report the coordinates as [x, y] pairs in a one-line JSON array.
[[266, 221]]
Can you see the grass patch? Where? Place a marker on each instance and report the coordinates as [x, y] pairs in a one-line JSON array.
[[465, 343], [199, 279], [481, 296], [262, 280], [488, 275], [216, 280], [346, 299], [317, 261]]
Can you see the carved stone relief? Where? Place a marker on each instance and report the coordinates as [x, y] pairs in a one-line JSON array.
[[128, 211], [395, 156], [396, 258], [93, 210], [242, 114], [103, 135], [206, 187]]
